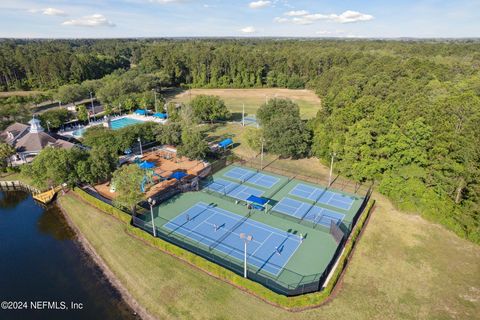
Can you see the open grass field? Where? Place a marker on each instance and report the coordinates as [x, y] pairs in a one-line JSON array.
[[307, 100], [6, 94], [404, 268]]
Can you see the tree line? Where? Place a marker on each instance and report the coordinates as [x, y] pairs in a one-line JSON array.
[[404, 114]]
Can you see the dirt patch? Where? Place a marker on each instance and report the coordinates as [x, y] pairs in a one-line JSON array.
[[6, 94], [303, 94]]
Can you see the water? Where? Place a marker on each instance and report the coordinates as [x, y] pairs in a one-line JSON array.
[[124, 122], [115, 125], [42, 261]]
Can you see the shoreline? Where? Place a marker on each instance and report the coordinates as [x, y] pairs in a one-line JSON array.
[[138, 309]]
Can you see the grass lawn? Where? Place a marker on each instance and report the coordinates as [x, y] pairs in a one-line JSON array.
[[16, 176], [307, 100], [403, 267]]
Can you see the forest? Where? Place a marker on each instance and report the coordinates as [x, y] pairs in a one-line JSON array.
[[404, 114]]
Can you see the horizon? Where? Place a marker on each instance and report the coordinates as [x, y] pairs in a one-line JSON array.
[[129, 19]]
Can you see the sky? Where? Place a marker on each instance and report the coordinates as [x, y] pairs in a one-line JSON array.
[[239, 18]]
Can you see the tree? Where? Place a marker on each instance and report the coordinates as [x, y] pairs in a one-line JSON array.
[[99, 166], [71, 93], [209, 108], [193, 144], [170, 133], [284, 132], [127, 180], [99, 136], [6, 151], [54, 166], [54, 119], [253, 138], [82, 113]]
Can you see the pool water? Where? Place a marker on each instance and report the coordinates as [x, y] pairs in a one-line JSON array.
[[115, 124], [124, 122]]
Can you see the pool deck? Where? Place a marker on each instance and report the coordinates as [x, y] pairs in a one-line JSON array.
[[99, 122]]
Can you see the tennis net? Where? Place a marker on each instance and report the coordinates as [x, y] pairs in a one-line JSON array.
[[229, 232]]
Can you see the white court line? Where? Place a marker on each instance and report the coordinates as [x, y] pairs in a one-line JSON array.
[[285, 236], [272, 229], [261, 245]]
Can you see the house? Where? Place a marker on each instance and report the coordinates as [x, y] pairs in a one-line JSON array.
[[30, 140]]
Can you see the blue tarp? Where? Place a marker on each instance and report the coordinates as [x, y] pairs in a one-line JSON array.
[[225, 143], [147, 165], [141, 112], [178, 175], [257, 200], [160, 115]]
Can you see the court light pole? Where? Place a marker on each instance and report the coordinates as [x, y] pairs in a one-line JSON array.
[[246, 238], [140, 143], [152, 202], [332, 154], [261, 155]]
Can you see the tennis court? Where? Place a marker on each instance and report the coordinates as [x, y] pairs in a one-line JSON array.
[[252, 177], [219, 229], [308, 212], [324, 196], [285, 254], [233, 189]]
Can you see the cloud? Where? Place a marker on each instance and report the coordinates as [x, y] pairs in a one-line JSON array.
[[296, 13], [259, 4], [49, 12], [351, 16], [95, 20], [302, 17], [248, 29], [53, 12], [281, 19]]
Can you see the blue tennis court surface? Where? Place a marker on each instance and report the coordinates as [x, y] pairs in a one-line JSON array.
[[299, 209], [270, 249], [252, 177], [328, 197], [233, 189]]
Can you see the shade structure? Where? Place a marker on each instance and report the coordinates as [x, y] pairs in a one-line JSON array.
[[257, 200], [225, 143], [140, 112], [160, 115], [178, 175], [147, 165]]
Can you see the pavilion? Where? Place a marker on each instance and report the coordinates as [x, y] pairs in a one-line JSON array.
[[30, 140]]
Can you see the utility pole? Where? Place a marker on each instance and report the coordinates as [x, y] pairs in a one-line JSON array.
[[243, 116], [155, 97], [93, 107], [140, 142], [332, 154]]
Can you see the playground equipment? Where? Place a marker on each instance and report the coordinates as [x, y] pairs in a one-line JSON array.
[[149, 175]]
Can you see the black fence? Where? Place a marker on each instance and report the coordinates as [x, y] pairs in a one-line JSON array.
[[288, 282]]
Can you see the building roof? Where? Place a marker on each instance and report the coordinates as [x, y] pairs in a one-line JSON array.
[[13, 132], [32, 140]]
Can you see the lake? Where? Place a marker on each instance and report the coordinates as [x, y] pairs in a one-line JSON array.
[[43, 266]]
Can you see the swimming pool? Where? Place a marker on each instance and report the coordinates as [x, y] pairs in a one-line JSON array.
[[115, 125], [124, 122]]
